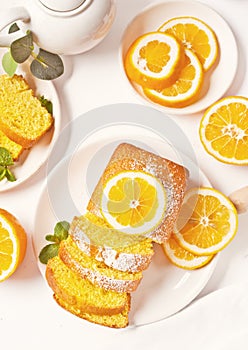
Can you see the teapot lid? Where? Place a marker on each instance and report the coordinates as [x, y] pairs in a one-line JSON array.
[[62, 6]]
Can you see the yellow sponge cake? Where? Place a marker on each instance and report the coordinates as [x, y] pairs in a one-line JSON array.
[[14, 148], [22, 117]]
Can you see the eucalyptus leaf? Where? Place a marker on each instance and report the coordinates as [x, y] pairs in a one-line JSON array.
[[22, 48], [10, 176], [47, 66], [61, 230], [5, 157], [13, 28], [9, 64], [48, 252]]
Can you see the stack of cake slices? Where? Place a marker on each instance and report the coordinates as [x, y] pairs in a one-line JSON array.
[[93, 275]]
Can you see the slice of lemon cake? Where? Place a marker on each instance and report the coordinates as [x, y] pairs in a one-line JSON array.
[[95, 271], [119, 320], [140, 193], [81, 293], [22, 117], [92, 235]]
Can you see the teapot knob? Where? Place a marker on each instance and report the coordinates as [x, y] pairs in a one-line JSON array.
[[62, 6]]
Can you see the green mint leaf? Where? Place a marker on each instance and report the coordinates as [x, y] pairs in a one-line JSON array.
[[13, 28], [61, 230], [10, 176], [9, 64], [47, 66], [52, 238], [5, 157], [60, 233], [21, 48], [2, 172], [47, 104], [48, 252]]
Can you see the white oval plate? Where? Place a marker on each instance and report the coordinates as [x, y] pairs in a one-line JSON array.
[[31, 160], [217, 80], [165, 289]]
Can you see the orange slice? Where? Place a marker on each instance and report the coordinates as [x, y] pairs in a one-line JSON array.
[[211, 221], [196, 35], [183, 258], [134, 202], [154, 60], [224, 130], [187, 87], [13, 242]]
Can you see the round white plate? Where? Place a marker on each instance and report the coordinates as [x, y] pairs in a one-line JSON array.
[[217, 80], [165, 289], [31, 160]]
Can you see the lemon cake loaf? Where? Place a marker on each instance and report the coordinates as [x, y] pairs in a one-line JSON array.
[[22, 117], [171, 182], [90, 235], [95, 271], [13, 147], [119, 320], [81, 293]]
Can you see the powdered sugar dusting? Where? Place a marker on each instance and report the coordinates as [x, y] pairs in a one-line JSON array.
[[95, 277], [119, 260]]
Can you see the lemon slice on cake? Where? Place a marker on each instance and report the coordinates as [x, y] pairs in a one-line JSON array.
[[133, 202]]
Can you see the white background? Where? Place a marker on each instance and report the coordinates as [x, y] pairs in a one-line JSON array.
[[30, 319]]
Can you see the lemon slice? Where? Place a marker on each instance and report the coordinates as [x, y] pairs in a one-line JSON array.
[[133, 202], [196, 35], [13, 243], [187, 87], [154, 60], [224, 130], [212, 221], [182, 257]]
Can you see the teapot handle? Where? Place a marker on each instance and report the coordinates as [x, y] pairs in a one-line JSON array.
[[9, 16]]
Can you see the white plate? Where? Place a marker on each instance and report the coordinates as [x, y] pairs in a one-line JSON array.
[[31, 160], [216, 81], [165, 289]]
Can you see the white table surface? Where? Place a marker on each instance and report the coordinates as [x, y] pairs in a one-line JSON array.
[[29, 318]]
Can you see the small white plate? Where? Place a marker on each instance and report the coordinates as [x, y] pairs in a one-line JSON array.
[[165, 289], [31, 160], [217, 80]]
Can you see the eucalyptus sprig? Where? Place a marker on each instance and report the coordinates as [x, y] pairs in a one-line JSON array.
[[45, 65], [51, 250], [6, 161]]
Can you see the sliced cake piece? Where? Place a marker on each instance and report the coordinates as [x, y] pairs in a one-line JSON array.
[[81, 293], [95, 271], [110, 246], [14, 148], [134, 174], [22, 117], [119, 320]]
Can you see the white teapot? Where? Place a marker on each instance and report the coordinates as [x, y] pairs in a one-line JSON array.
[[60, 26]]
